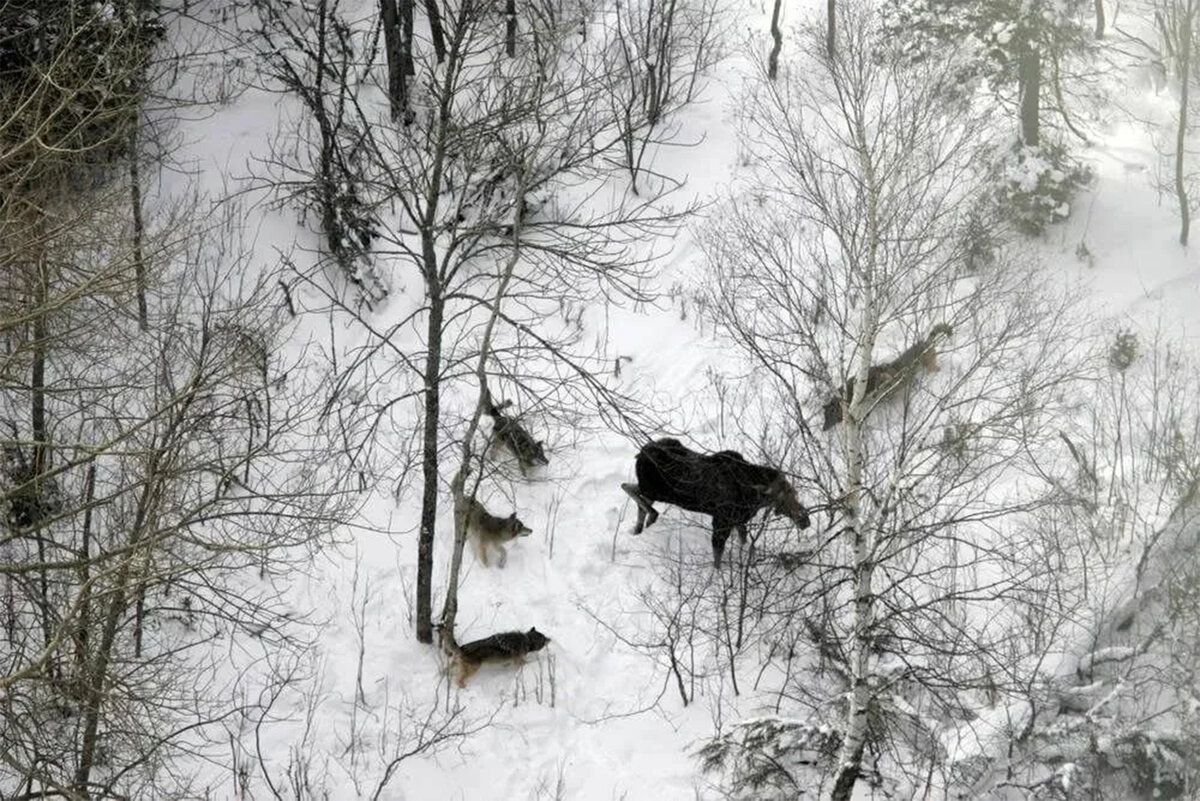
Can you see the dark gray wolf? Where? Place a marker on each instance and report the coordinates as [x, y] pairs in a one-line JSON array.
[[884, 380], [722, 484], [508, 646], [508, 432], [486, 530]]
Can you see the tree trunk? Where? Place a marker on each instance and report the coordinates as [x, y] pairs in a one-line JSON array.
[[135, 200], [83, 624], [1185, 69], [1030, 84], [390, 19], [459, 482], [1099, 19], [327, 172], [429, 455], [830, 27], [861, 537], [96, 678], [850, 762], [510, 28], [436, 33], [434, 288], [857, 717], [406, 44], [41, 440], [777, 39]]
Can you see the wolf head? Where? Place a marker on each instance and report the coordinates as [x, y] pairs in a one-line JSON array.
[[538, 456], [535, 640], [833, 413], [513, 527]]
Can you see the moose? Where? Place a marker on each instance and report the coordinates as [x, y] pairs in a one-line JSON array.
[[722, 484]]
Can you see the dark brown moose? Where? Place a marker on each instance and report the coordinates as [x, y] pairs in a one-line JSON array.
[[721, 484]]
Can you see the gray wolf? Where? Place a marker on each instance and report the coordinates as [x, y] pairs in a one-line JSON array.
[[510, 433], [508, 646], [486, 531], [883, 380]]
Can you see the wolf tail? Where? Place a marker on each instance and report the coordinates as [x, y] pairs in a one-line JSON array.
[[491, 407], [455, 661], [446, 640], [939, 330]]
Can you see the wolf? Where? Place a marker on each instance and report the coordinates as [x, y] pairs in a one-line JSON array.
[[508, 646], [508, 432], [885, 379], [487, 531]]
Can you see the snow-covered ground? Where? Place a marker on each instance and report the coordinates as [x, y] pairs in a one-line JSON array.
[[592, 716]]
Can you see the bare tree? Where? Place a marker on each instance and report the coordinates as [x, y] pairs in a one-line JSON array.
[[656, 54], [838, 277], [148, 438], [193, 472], [309, 51], [492, 142], [1117, 706]]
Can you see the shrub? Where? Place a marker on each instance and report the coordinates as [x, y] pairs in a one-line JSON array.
[[1037, 183], [1124, 350]]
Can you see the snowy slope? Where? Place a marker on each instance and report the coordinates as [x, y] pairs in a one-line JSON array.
[[593, 716]]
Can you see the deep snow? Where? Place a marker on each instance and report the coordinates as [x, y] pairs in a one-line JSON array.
[[591, 717]]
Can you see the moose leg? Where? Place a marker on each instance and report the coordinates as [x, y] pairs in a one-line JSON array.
[[742, 532], [719, 536], [644, 507]]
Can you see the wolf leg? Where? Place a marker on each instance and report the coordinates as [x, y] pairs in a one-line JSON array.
[[466, 670]]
